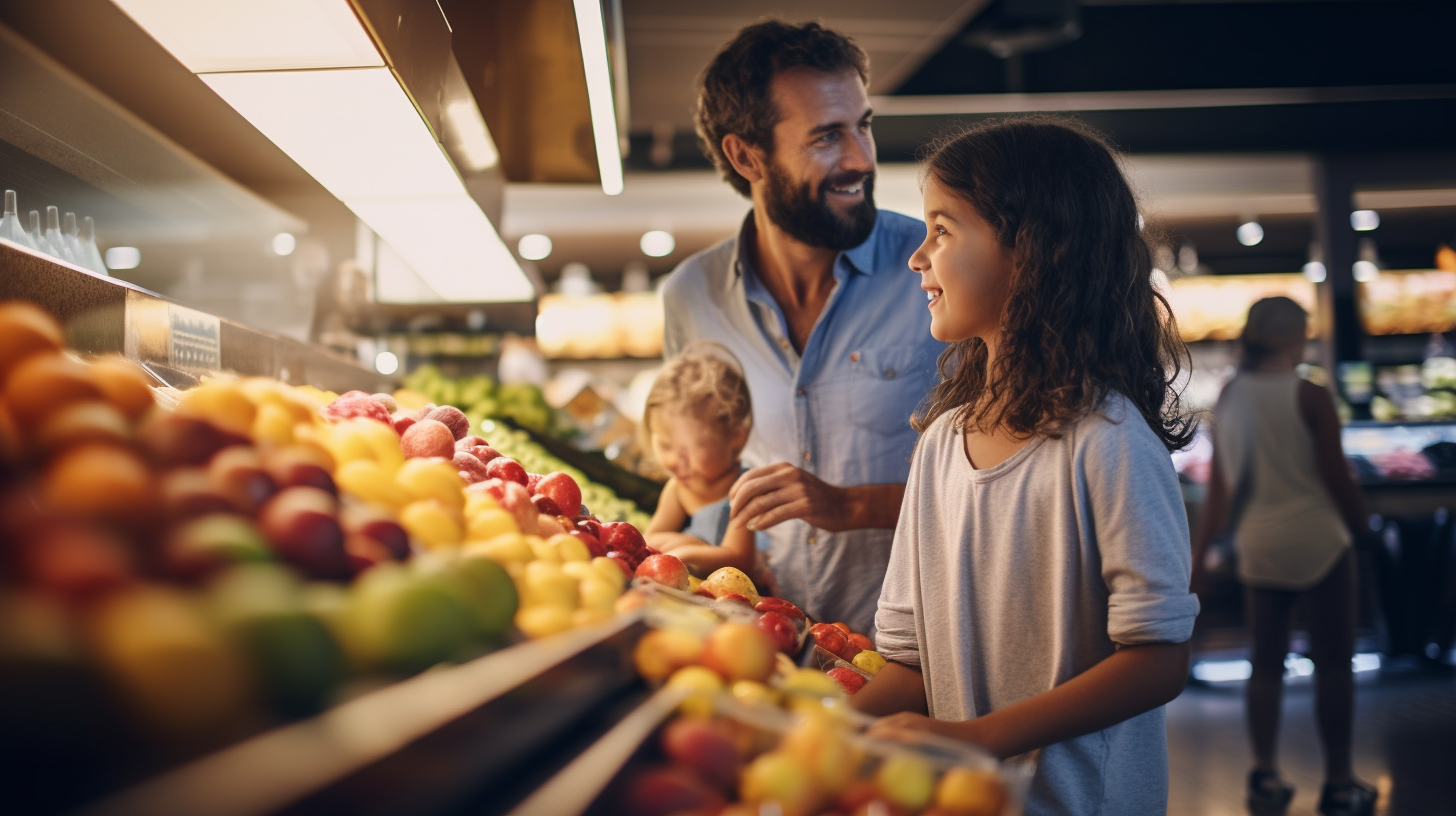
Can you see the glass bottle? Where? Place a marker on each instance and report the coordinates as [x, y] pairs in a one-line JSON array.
[[10, 226], [71, 234], [54, 237], [37, 235], [91, 254]]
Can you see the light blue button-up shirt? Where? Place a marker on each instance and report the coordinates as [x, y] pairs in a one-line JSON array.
[[840, 410]]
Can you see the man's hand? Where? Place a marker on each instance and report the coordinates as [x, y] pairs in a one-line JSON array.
[[766, 496]]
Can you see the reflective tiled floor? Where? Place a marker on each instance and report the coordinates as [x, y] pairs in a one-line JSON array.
[[1405, 744]]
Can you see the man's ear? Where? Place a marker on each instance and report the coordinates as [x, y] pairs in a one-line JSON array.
[[747, 160]]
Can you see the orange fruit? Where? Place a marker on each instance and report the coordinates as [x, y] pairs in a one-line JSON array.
[[100, 481], [124, 384], [25, 329], [44, 383]]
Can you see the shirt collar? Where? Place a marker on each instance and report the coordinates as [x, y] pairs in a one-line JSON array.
[[863, 259]]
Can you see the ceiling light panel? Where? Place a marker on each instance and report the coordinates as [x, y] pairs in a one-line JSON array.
[[354, 130], [211, 36]]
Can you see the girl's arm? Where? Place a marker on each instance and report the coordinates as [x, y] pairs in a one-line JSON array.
[[737, 550], [896, 688], [1318, 410], [1212, 520], [1131, 681], [669, 518]]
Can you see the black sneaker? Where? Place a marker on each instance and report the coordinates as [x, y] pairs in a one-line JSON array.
[[1268, 794], [1353, 799]]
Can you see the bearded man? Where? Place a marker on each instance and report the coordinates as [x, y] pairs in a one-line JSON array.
[[815, 298]]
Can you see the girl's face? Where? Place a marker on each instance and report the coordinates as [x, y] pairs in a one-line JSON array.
[[963, 268], [696, 453]]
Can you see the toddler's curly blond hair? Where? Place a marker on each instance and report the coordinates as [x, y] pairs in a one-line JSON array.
[[703, 381]]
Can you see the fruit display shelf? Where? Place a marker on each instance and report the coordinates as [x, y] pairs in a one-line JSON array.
[[481, 734], [107, 315]]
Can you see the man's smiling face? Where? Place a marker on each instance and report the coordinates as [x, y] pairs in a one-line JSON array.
[[820, 171]]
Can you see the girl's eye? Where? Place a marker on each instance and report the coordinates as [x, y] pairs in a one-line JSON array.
[[939, 230]]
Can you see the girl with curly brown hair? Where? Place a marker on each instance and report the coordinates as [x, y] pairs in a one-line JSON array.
[[1037, 595]]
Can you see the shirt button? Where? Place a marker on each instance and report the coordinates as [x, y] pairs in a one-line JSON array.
[[854, 356], [813, 538], [806, 456], [803, 391], [889, 373], [784, 344]]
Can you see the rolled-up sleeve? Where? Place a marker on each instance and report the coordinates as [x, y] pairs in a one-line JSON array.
[[1142, 535]]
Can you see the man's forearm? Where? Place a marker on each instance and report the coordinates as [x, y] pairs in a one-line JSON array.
[[873, 506]]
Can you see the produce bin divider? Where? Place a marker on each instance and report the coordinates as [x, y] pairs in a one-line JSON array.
[[324, 764]]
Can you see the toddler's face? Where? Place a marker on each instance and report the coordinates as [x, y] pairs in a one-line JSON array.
[[963, 268], [696, 453]]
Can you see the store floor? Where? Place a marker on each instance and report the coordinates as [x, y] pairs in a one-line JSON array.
[[1405, 744]]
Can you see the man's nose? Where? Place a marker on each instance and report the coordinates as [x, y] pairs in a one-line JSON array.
[[860, 154]]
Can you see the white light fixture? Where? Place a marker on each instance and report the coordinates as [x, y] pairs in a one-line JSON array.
[[1315, 272], [385, 362], [1250, 233], [1366, 271], [123, 258], [471, 136], [284, 243], [593, 35], [352, 127], [534, 247], [1364, 220], [658, 243], [260, 35]]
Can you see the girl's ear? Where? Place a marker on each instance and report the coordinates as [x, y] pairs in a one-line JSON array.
[[748, 161]]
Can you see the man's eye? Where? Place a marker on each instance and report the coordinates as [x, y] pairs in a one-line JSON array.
[[830, 136]]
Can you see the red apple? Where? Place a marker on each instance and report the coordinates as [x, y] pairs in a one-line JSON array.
[[300, 524], [472, 470], [238, 473], [593, 544], [591, 526], [734, 597], [188, 492], [367, 520], [861, 642], [300, 466], [705, 593], [484, 453], [452, 418], [780, 606], [620, 535], [402, 422], [664, 791], [848, 679], [562, 489], [665, 569], [624, 561], [427, 438], [782, 630], [833, 640], [468, 442], [507, 470], [364, 552], [532, 480], [698, 743], [545, 505]]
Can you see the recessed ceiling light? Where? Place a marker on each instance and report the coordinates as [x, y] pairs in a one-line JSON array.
[[658, 243], [534, 247], [123, 258], [1364, 220], [284, 243], [1250, 233]]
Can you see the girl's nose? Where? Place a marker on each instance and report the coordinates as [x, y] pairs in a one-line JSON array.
[[920, 262]]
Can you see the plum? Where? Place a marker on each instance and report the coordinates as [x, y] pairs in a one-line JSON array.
[[546, 506], [777, 626], [472, 470], [621, 535], [468, 442], [238, 473], [358, 405], [189, 492], [300, 466]]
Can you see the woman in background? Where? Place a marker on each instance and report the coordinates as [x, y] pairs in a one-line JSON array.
[[1280, 480]]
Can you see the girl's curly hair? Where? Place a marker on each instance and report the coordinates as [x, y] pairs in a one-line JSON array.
[[1082, 317]]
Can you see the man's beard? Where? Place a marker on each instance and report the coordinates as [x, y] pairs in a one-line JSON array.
[[809, 219]]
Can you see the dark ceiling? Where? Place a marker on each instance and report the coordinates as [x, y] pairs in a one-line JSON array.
[[1374, 76]]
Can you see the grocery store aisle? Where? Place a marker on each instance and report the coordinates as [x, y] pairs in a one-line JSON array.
[[1405, 744]]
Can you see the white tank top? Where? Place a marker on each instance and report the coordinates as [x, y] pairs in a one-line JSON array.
[[1288, 532]]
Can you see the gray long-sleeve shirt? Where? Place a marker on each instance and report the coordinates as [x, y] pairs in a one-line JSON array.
[[1008, 581]]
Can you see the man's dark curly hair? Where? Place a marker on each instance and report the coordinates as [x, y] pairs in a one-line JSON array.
[[733, 91]]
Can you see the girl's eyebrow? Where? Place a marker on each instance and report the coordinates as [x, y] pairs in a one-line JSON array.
[[934, 214]]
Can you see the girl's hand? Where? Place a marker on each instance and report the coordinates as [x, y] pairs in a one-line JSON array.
[[905, 725]]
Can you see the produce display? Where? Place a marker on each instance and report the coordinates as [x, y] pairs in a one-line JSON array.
[[217, 559], [757, 733], [482, 398]]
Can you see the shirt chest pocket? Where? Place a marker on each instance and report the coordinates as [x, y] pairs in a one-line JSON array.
[[885, 385]]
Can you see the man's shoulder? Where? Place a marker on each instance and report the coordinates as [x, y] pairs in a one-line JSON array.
[[900, 225], [702, 271]]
